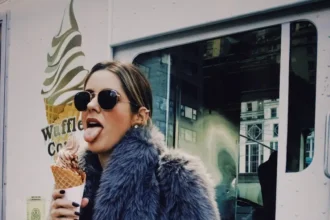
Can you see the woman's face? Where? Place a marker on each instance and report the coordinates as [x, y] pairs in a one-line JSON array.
[[113, 123]]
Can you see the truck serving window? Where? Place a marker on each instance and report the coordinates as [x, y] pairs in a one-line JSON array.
[[219, 99], [302, 93]]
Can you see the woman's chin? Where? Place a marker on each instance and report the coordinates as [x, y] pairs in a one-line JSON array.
[[96, 149], [93, 148]]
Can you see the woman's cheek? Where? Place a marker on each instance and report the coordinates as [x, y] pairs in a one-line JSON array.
[[118, 123]]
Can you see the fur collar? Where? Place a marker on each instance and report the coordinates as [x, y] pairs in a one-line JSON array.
[[145, 180]]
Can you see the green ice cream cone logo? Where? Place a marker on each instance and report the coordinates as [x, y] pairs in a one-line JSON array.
[[65, 74], [64, 77]]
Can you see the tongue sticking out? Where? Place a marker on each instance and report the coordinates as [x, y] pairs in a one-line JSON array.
[[91, 134]]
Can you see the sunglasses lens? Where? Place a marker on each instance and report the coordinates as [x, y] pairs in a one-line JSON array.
[[107, 99], [81, 100]]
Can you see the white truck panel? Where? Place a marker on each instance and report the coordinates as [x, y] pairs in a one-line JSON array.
[[32, 26], [133, 20]]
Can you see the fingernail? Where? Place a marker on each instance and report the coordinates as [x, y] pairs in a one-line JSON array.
[[62, 191], [77, 213], [75, 204]]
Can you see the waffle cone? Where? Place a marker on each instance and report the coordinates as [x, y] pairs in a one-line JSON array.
[[69, 111], [67, 178], [52, 112], [56, 113]]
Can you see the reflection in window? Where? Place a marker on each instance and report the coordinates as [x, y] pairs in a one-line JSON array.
[[302, 93], [171, 107], [249, 107], [145, 70], [188, 112], [170, 130], [233, 83], [189, 68], [309, 148], [161, 125], [273, 112], [254, 157], [260, 106], [255, 132], [155, 68], [274, 145], [160, 103], [275, 130], [188, 135], [212, 49]]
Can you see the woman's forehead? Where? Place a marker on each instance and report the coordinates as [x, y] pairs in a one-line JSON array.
[[103, 79]]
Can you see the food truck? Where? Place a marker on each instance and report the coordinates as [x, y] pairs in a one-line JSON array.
[[242, 85]]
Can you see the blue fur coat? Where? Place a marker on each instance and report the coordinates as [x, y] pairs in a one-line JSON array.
[[144, 180]]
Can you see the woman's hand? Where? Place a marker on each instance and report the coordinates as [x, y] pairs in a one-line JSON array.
[[64, 209]]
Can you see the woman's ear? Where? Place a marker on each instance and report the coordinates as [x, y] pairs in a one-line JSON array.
[[141, 117]]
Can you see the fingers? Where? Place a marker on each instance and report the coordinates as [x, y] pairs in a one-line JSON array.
[[57, 194], [62, 209], [84, 202], [63, 203], [63, 213]]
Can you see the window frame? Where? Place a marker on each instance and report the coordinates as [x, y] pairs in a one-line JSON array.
[[275, 133], [271, 113], [183, 110], [249, 156], [249, 106], [250, 125], [3, 112], [183, 134]]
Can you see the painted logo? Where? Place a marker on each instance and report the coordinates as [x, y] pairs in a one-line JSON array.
[[64, 77]]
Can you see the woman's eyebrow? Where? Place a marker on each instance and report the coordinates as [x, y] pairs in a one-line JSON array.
[[89, 90]]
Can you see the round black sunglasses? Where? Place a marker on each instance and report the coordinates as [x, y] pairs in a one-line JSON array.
[[106, 98]]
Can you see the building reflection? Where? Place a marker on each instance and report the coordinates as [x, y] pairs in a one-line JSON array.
[[219, 99]]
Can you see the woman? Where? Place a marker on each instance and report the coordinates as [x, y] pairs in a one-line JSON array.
[[131, 175]]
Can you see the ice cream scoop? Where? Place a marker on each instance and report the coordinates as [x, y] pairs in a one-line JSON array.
[[66, 171], [67, 156]]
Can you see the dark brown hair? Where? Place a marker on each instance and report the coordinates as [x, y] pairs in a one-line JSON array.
[[134, 83]]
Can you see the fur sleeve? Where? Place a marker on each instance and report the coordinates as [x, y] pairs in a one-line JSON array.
[[186, 189]]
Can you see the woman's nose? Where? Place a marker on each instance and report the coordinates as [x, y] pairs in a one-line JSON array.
[[93, 105]]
